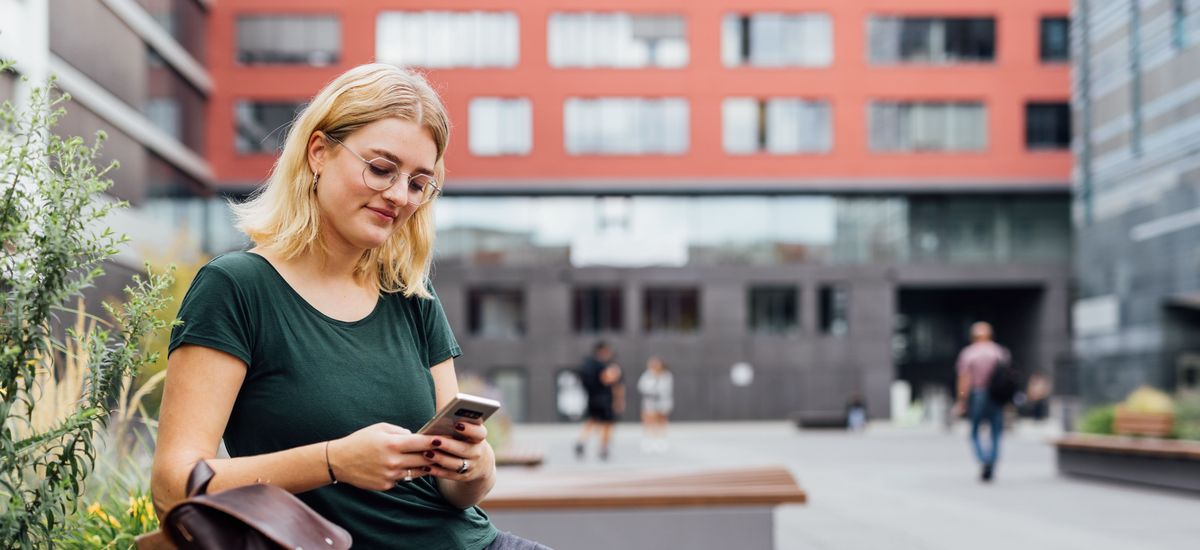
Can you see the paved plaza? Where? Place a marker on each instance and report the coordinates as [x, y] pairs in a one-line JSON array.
[[902, 488]]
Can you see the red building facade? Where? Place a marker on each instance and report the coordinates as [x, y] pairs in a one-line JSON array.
[[924, 147]]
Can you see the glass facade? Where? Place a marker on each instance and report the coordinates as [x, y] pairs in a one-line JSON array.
[[931, 40], [446, 39], [752, 230], [620, 40], [500, 126], [776, 125], [928, 126], [626, 126], [289, 39], [768, 39], [262, 126]]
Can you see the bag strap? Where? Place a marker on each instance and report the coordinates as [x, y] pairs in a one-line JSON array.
[[202, 474]]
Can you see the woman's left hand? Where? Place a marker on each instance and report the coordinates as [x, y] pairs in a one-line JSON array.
[[465, 459]]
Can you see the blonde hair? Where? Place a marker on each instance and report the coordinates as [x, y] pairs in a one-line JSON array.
[[282, 216]]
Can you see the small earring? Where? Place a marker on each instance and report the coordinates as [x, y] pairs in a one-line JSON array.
[[315, 178]]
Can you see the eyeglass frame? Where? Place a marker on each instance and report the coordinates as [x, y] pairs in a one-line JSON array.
[[437, 189]]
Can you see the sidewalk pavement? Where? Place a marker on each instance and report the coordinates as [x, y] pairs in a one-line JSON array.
[[901, 488]]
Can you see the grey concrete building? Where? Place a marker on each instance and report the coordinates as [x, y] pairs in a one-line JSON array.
[[828, 296], [1137, 195]]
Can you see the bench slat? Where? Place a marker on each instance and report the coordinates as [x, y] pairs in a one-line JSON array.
[[1165, 448], [762, 486]]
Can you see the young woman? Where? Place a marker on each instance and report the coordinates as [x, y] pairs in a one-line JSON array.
[[317, 353], [657, 388]]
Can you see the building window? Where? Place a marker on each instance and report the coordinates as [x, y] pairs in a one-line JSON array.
[[931, 40], [262, 126], [777, 125], [500, 126], [834, 309], [671, 309], [773, 309], [913, 126], [597, 309], [289, 39], [626, 126], [1047, 125], [1055, 41], [777, 40], [496, 313], [445, 39], [619, 40]]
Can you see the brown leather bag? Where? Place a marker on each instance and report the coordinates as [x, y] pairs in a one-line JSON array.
[[252, 517]]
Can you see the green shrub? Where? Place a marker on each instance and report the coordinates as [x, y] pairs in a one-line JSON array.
[[55, 242], [1099, 420], [1187, 416], [113, 522]]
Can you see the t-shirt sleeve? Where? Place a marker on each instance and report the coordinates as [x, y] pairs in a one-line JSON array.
[[214, 314], [439, 338]]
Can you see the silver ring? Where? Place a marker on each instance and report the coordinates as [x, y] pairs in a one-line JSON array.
[[465, 466], [408, 475]]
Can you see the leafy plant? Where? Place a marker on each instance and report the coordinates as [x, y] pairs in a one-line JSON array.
[[52, 231], [1187, 416], [1099, 420], [113, 522]]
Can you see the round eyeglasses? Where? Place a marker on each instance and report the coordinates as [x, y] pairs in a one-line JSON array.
[[381, 174]]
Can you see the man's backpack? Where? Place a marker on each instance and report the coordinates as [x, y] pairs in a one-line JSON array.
[[1003, 384]]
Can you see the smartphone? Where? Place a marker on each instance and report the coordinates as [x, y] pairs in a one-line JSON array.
[[463, 408]]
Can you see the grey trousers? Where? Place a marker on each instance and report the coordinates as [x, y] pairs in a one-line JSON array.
[[509, 541]]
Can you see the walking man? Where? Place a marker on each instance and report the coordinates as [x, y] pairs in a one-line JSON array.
[[976, 363], [601, 380]]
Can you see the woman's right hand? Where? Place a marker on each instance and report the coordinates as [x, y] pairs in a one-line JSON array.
[[376, 457]]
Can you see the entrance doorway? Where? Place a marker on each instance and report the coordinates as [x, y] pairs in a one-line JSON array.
[[933, 325]]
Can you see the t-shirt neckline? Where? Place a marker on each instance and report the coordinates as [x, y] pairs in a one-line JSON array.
[[305, 304]]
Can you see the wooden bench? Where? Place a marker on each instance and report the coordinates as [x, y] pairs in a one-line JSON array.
[[820, 420], [1151, 461], [608, 509], [529, 458]]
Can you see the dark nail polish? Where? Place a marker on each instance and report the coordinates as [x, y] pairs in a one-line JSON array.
[[460, 426], [437, 443], [429, 454], [427, 468]]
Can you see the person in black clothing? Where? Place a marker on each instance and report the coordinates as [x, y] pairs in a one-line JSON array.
[[601, 380]]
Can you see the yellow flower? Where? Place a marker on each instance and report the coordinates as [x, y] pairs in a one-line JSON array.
[[95, 510]]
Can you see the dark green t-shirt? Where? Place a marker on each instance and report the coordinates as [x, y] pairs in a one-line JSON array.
[[312, 378]]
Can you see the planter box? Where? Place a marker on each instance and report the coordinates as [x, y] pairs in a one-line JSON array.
[[1158, 462], [1148, 424]]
